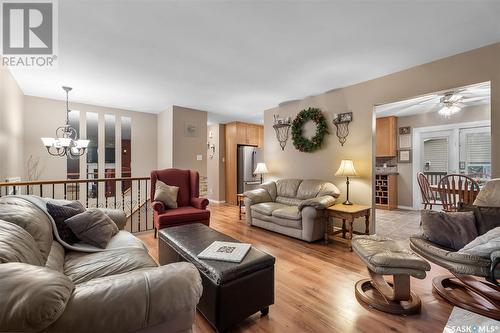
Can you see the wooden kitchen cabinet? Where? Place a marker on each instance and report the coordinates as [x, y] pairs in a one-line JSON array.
[[238, 133], [386, 144]]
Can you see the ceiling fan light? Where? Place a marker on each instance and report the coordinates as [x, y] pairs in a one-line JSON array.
[[64, 142], [449, 110]]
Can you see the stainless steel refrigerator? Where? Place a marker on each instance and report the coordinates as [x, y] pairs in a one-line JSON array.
[[248, 157]]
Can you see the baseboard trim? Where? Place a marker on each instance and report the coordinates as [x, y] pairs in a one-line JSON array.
[[216, 201], [406, 208]]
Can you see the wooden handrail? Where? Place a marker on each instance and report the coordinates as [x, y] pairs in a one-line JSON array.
[[70, 181]]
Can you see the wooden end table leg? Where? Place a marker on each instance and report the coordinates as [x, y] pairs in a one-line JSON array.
[[367, 223], [326, 229], [343, 228], [239, 205], [349, 235]]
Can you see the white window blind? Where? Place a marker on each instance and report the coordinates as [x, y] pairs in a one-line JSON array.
[[478, 149], [436, 152]]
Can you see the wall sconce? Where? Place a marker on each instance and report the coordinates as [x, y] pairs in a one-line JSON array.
[[341, 122], [282, 127], [211, 149]]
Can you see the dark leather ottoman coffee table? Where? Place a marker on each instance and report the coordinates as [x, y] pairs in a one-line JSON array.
[[231, 291]]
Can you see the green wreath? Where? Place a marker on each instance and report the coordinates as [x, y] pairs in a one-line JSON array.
[[299, 141]]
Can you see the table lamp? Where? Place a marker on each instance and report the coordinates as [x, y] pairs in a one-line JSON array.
[[260, 170], [346, 169]]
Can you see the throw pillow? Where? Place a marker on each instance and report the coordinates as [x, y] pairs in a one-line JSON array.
[[487, 218], [93, 227], [62, 212], [484, 245], [166, 194], [452, 230]]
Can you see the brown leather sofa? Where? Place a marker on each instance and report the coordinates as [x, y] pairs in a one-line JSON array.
[[47, 288], [293, 207]]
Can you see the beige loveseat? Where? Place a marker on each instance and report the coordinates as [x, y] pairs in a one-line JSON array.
[[293, 207], [47, 288]]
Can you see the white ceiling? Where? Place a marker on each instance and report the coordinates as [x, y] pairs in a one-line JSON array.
[[477, 94], [239, 58]]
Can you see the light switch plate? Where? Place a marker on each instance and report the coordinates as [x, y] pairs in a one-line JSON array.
[[199, 157]]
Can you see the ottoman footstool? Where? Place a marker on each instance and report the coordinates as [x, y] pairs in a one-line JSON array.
[[384, 256], [231, 291]]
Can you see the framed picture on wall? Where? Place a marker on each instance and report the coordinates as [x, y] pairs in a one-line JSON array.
[[404, 156]]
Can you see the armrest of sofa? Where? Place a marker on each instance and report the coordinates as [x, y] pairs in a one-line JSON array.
[[257, 195], [117, 215], [135, 300], [200, 203], [33, 297], [158, 207], [322, 202]]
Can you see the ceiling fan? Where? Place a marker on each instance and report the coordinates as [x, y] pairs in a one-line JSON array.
[[445, 103]]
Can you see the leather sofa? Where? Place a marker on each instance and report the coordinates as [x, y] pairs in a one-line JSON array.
[[293, 207], [191, 208], [47, 288]]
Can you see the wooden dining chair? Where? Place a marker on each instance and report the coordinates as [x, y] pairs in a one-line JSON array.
[[455, 188], [428, 196]]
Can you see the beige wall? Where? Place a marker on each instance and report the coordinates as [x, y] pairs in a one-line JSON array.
[[185, 148], [475, 66], [165, 139], [43, 116], [215, 165], [406, 174], [11, 127]]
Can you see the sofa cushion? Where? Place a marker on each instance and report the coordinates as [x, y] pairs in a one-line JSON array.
[[287, 187], [267, 208], [33, 297], [452, 230], [17, 245], [20, 211], [288, 201], [62, 212], [182, 215], [123, 239], [81, 267], [309, 188], [270, 187], [289, 212], [93, 227], [287, 223]]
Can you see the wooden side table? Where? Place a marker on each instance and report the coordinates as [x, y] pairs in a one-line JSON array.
[[240, 197], [347, 213]]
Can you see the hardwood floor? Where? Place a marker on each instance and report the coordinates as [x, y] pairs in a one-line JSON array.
[[315, 286]]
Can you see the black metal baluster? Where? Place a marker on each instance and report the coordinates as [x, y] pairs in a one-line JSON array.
[[146, 204], [14, 189], [53, 190], [131, 205], [115, 183], [65, 191], [86, 194], [97, 195], [139, 202], [41, 190], [27, 189]]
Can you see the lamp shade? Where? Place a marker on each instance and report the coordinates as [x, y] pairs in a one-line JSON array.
[[346, 169], [260, 169]]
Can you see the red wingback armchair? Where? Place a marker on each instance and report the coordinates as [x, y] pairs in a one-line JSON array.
[[191, 208]]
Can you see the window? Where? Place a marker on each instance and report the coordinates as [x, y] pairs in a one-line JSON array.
[[475, 152], [436, 155]]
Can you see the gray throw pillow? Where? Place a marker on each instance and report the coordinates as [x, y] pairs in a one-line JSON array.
[[452, 230], [93, 227], [166, 194], [487, 218]]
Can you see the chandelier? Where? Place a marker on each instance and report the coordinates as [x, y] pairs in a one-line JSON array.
[[66, 142]]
